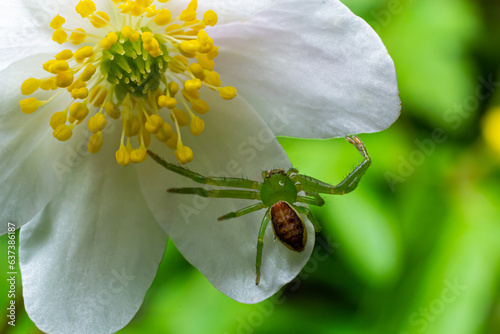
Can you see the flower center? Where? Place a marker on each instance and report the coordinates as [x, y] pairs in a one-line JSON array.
[[132, 71]]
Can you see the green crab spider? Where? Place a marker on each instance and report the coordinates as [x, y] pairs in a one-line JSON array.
[[279, 193]]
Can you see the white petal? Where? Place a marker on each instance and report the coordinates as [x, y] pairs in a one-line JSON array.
[[227, 11], [88, 258], [34, 163], [24, 30], [235, 143], [316, 63]]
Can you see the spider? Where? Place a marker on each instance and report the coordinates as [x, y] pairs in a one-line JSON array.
[[279, 192]]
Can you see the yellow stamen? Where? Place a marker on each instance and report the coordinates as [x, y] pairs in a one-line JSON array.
[[130, 69], [57, 22], [29, 106], [30, 86], [184, 154]]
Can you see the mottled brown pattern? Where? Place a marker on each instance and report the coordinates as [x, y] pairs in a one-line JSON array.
[[288, 226]]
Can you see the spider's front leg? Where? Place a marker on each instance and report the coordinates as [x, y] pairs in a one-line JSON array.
[[214, 181], [350, 183], [260, 243]]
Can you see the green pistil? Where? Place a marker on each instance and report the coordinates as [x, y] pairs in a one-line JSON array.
[[132, 69]]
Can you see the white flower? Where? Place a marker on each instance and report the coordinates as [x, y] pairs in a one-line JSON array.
[[97, 231]]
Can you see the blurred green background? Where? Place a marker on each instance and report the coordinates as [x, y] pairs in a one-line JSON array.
[[416, 248]]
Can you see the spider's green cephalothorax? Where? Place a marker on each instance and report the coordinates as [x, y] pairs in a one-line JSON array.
[[277, 187], [279, 193]]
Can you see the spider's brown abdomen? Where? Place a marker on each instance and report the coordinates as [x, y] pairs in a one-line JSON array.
[[288, 226]]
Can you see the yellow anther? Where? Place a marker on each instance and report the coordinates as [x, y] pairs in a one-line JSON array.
[[47, 64], [163, 1], [97, 123], [199, 106], [227, 93], [48, 84], [57, 119], [64, 55], [78, 36], [30, 86], [57, 22], [181, 116], [109, 41], [165, 132], [95, 142], [60, 36], [189, 13], [139, 155], [206, 63], [210, 18], [213, 78], [202, 37], [184, 154], [79, 93], [197, 126], [85, 8], [144, 3], [29, 106], [130, 33], [190, 94], [151, 11], [179, 64], [173, 27], [99, 19], [122, 156], [167, 101], [173, 88], [82, 53], [58, 66], [147, 37], [213, 53], [88, 72], [99, 96], [152, 45], [172, 141], [127, 31], [197, 71], [193, 84], [64, 79], [111, 110], [154, 124], [155, 53], [77, 84], [190, 46], [163, 17], [78, 111], [132, 126], [63, 132], [136, 9]]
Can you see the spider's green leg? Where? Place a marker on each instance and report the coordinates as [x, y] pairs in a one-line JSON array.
[[215, 181], [260, 244], [215, 193], [311, 199], [244, 211], [350, 183], [301, 209]]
